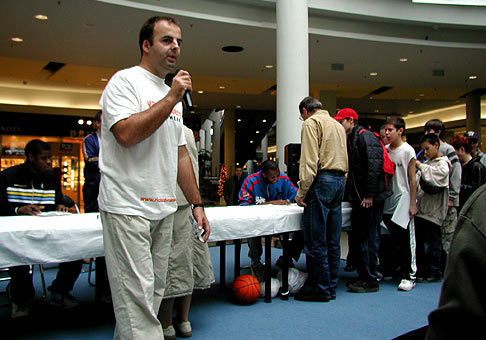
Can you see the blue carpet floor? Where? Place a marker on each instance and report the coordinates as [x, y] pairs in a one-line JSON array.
[[382, 315]]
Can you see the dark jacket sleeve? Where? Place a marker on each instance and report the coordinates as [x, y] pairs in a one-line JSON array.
[[462, 307], [5, 208], [371, 153]]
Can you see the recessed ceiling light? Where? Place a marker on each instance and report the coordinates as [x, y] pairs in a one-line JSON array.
[[268, 66], [104, 79], [257, 131], [222, 87], [472, 77], [238, 106], [17, 39], [200, 92], [403, 60], [410, 111], [239, 119], [41, 17], [80, 122], [251, 142], [232, 49], [373, 74], [88, 122], [264, 121]]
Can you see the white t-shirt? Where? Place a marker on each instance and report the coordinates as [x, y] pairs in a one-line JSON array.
[[401, 156], [139, 180]]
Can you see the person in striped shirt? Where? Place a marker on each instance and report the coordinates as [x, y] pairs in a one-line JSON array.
[[30, 189]]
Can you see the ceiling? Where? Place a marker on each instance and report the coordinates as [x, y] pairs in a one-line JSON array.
[[94, 39]]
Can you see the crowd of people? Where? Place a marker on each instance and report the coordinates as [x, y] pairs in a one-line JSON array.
[[149, 202]]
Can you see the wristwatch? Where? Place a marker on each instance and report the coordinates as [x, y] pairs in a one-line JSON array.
[[197, 205]]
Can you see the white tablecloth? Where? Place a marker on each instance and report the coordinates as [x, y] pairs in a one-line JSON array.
[[54, 239]]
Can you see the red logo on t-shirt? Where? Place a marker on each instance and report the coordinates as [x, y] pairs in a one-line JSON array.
[[150, 103]]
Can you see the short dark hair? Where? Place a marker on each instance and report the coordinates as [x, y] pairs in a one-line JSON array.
[[459, 141], [436, 125], [429, 137], [310, 104], [397, 122], [97, 117], [35, 147], [147, 30], [269, 165]]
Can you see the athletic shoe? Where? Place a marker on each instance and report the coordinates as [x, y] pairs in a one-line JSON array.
[[19, 311], [65, 301], [183, 329], [428, 279], [356, 280], [406, 285], [364, 287], [169, 333]]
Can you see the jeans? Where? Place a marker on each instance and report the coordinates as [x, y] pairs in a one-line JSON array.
[[322, 231]]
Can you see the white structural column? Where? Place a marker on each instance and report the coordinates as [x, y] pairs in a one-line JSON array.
[[264, 146], [292, 71], [215, 116]]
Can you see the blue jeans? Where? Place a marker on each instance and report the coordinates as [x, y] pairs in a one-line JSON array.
[[322, 231]]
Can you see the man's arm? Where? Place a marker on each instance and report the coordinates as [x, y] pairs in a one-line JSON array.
[[188, 185], [138, 127], [413, 188], [309, 160]]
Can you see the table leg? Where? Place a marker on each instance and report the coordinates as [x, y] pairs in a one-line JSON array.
[[268, 267], [237, 257], [222, 264], [285, 266]]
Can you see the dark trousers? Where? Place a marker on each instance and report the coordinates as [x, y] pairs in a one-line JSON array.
[[322, 223], [22, 288], [403, 252], [90, 198], [365, 229], [429, 248]]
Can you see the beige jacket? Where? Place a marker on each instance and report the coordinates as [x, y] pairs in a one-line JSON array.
[[323, 147]]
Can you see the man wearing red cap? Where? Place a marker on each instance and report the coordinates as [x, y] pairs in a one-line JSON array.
[[366, 189]]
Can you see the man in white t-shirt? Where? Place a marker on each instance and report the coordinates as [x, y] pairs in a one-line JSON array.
[[401, 206], [142, 158]]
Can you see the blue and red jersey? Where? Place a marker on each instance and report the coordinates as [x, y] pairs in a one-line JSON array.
[[256, 191]]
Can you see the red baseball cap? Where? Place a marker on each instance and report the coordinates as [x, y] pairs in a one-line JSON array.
[[346, 113]]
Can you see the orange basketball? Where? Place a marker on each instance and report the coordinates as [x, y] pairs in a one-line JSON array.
[[246, 289]]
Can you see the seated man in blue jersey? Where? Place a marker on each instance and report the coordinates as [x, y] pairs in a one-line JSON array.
[[267, 186]]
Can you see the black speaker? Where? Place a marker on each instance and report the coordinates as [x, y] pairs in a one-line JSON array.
[[292, 160]]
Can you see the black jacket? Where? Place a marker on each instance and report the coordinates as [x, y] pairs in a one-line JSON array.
[[366, 177], [19, 186], [472, 177]]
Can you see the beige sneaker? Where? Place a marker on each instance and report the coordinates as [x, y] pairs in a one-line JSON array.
[[169, 333], [184, 329]]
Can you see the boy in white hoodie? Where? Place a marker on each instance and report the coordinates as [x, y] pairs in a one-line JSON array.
[[432, 200]]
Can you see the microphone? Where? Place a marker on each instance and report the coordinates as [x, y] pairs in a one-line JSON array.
[[186, 98]]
